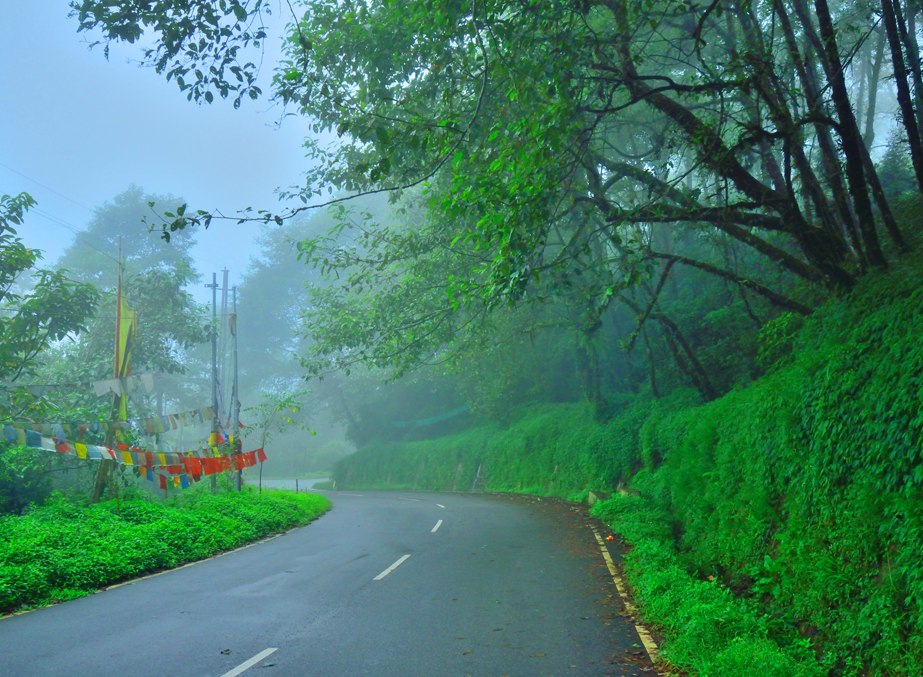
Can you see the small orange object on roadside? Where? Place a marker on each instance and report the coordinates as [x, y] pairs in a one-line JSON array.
[[610, 538]]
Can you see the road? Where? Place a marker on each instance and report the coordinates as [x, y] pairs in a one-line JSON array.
[[385, 584]]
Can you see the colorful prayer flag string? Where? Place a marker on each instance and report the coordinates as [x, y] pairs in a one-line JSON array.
[[150, 426]]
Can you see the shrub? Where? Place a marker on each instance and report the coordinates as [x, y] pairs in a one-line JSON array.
[[64, 550]]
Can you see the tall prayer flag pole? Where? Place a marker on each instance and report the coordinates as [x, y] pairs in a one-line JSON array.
[[126, 325], [214, 288], [235, 394]]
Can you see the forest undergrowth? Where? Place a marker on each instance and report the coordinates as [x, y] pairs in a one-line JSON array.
[[64, 549], [779, 528]]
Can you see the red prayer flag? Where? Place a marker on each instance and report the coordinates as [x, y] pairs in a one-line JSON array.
[[260, 454], [163, 482]]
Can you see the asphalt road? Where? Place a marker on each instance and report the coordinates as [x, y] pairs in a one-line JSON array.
[[506, 585]]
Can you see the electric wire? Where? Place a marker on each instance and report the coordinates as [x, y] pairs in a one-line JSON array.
[[64, 224], [45, 187]]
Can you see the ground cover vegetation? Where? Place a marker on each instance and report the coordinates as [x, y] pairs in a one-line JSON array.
[[65, 550], [661, 242]]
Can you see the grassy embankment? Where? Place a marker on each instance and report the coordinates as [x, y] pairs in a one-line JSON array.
[[801, 495], [64, 550]]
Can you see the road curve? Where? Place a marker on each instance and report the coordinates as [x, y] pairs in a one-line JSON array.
[[505, 585]]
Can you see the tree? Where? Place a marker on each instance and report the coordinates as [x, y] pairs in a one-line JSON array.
[[584, 152], [56, 306], [121, 223]]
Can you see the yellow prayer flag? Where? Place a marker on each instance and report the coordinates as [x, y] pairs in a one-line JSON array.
[[81, 450], [126, 325], [126, 455], [163, 459]]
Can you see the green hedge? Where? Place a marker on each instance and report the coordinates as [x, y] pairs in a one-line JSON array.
[[65, 550], [802, 493], [550, 450], [709, 631]]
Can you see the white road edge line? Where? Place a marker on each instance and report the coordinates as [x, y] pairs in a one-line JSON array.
[[379, 576], [440, 505], [246, 665], [438, 524], [408, 499], [649, 644]]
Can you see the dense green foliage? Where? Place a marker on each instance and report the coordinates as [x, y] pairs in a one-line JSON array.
[[708, 630], [802, 492], [65, 550], [555, 450]]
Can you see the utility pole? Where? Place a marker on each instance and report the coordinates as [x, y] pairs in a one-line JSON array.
[[235, 394], [222, 372], [104, 470], [214, 288]]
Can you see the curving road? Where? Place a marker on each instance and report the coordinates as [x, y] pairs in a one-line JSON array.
[[386, 584]]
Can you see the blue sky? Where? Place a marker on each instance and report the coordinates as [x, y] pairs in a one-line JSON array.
[[85, 128]]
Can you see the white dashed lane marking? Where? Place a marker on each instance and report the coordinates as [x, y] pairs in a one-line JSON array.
[[438, 524], [246, 665], [440, 505], [391, 568]]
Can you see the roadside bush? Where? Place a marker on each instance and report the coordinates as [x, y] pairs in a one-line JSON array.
[[65, 550], [709, 631]]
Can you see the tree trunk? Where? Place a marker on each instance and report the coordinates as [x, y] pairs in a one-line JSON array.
[[878, 191], [697, 372], [903, 90], [807, 71], [874, 75], [652, 373], [849, 135], [908, 31]]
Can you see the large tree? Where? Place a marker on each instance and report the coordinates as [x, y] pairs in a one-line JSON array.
[[585, 151]]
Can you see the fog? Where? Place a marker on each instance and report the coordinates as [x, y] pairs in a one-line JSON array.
[[78, 129]]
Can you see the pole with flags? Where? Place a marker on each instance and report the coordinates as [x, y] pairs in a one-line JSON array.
[[126, 327], [235, 392], [214, 440]]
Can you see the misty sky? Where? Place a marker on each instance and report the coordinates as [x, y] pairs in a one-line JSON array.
[[86, 128]]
